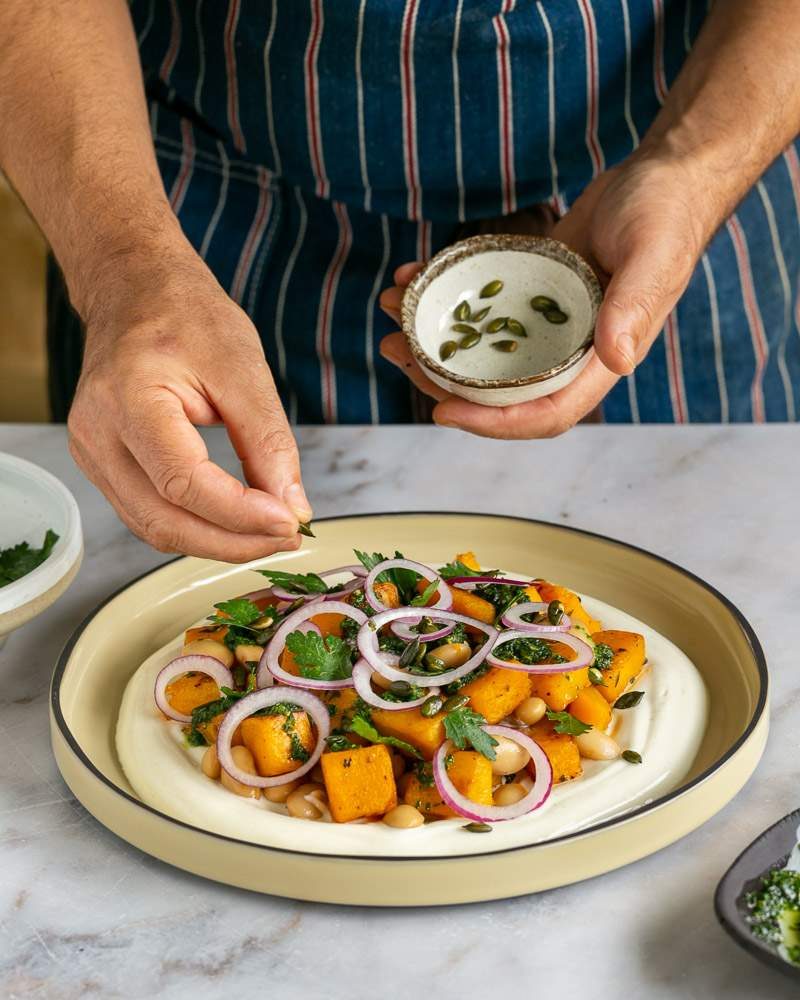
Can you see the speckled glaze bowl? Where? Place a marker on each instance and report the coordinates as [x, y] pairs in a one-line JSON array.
[[548, 359]]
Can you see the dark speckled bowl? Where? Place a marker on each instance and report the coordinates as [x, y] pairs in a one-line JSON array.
[[768, 851]]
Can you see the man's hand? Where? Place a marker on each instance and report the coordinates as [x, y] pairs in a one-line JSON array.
[[156, 365], [639, 227]]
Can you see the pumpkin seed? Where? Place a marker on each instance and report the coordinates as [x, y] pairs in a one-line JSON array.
[[481, 314], [491, 289], [470, 340], [555, 316], [463, 328], [456, 701], [629, 700], [462, 311], [496, 325], [506, 346], [541, 303], [434, 664], [431, 706], [447, 350], [632, 756], [409, 653], [400, 687], [428, 625], [514, 326], [555, 612], [262, 623], [305, 529], [477, 828], [595, 675]]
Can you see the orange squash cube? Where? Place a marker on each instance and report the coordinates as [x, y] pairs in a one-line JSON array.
[[216, 632], [470, 772], [409, 724], [558, 690], [343, 701], [591, 707], [572, 604], [561, 750], [468, 559], [498, 692], [359, 783], [629, 657], [191, 691], [329, 623], [210, 730], [269, 740]]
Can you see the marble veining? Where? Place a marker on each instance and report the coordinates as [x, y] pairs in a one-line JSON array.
[[83, 914]]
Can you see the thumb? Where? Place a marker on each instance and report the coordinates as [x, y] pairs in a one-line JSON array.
[[260, 433], [642, 292]]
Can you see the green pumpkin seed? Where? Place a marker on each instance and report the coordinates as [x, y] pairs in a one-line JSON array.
[[447, 350], [496, 325], [462, 311], [463, 328], [541, 303], [305, 529], [477, 828], [401, 688], [506, 346], [514, 326], [555, 316], [629, 700], [632, 756], [434, 664], [409, 653], [470, 340], [481, 314], [431, 706], [555, 612], [491, 289], [456, 701], [595, 675]]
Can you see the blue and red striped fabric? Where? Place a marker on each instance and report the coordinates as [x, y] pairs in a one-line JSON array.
[[311, 146]]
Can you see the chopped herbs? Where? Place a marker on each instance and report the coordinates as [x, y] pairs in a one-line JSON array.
[[603, 655], [567, 724], [502, 595], [529, 651], [367, 731], [473, 675], [629, 700], [463, 727], [775, 911], [297, 583], [328, 659], [18, 560], [423, 772]]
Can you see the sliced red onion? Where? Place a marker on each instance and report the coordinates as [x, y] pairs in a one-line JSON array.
[[368, 647], [254, 702], [270, 664], [181, 665], [513, 618], [538, 767], [358, 572], [584, 653], [362, 674], [479, 581], [258, 595], [444, 599], [405, 630]]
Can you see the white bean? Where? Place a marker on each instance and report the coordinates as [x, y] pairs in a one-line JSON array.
[[596, 745]]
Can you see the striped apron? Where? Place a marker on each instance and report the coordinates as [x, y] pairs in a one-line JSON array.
[[309, 147]]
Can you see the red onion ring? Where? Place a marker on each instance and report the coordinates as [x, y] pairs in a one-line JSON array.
[[513, 618], [251, 703], [269, 664], [197, 662], [257, 595], [585, 656], [357, 571], [477, 581], [405, 631], [444, 600], [362, 673], [368, 647], [538, 766]]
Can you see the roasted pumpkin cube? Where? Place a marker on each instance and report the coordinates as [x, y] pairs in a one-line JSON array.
[[469, 771], [216, 632], [572, 604], [329, 623], [191, 691], [498, 692], [278, 743], [409, 724], [210, 730], [558, 690], [342, 701], [591, 707], [468, 559], [387, 594], [561, 750], [359, 782], [627, 663]]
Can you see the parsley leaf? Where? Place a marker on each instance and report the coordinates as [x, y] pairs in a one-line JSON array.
[[297, 583], [19, 560], [567, 724], [239, 611], [362, 728], [457, 568], [328, 659], [463, 727], [404, 579], [421, 600]]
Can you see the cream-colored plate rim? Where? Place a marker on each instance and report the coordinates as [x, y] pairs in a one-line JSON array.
[[657, 804]]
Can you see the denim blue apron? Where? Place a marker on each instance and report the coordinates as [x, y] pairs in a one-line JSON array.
[[308, 147]]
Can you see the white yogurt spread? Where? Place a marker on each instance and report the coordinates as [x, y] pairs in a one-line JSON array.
[[666, 728]]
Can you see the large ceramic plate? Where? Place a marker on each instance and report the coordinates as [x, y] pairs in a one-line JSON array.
[[95, 667]]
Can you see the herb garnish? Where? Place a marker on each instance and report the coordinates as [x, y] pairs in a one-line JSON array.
[[328, 659], [775, 911], [529, 651], [297, 583], [404, 579], [421, 600], [19, 560], [567, 724], [239, 612], [457, 568], [361, 727], [463, 727], [603, 655]]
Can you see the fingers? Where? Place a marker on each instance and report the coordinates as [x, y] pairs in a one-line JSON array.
[[394, 348], [174, 457], [540, 418], [391, 299], [162, 524]]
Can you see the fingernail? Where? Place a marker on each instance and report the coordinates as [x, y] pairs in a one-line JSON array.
[[297, 500], [627, 349]]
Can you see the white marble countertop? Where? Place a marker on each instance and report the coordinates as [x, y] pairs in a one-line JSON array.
[[85, 915]]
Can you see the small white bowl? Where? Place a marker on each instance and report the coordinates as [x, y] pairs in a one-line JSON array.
[[548, 359], [31, 501]]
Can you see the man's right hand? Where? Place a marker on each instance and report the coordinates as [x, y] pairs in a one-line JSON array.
[[159, 361]]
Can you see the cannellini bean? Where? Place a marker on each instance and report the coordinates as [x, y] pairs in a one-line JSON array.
[[298, 805], [248, 654], [210, 764], [452, 654], [530, 711], [280, 793], [507, 795], [404, 817], [510, 757], [243, 759], [596, 745], [210, 647]]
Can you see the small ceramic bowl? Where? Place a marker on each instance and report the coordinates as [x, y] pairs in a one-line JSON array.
[[551, 355], [32, 501]]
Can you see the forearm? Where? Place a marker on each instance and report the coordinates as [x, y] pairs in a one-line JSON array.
[[735, 104], [75, 140]]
